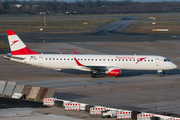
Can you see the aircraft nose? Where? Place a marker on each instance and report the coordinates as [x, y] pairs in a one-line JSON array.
[[174, 65]]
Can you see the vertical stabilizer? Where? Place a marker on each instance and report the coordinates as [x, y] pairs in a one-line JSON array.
[[17, 46]]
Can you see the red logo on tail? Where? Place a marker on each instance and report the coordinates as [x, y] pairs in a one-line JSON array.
[[140, 59], [14, 42]]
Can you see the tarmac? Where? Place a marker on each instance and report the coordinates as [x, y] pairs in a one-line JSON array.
[[30, 114], [141, 90]]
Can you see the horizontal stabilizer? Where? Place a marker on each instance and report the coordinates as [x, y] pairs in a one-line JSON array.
[[9, 58]]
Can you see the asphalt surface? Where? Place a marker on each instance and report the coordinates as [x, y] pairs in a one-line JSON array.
[[142, 90]]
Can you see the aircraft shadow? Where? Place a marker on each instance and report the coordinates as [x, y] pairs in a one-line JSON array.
[[68, 96], [124, 73], [14, 103]]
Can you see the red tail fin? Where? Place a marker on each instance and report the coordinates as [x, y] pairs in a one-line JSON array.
[[17, 46]]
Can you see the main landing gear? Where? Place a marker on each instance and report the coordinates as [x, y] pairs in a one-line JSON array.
[[93, 74], [159, 73]]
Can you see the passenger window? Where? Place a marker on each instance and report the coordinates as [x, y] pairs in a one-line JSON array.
[[119, 59], [68, 59], [92, 59], [49, 58], [151, 60], [126, 59], [78, 59], [96, 59], [57, 59], [53, 59], [46, 58], [145, 60], [108, 59], [88, 59], [130, 60], [99, 59], [122, 59], [81, 59], [60, 58], [111, 59], [103, 59], [133, 60], [71, 59]]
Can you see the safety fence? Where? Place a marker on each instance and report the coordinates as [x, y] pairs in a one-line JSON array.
[[106, 112], [144, 116], [97, 110], [72, 106], [48, 101], [124, 114]]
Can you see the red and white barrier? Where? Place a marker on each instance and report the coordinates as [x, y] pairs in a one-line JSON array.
[[72, 106], [49, 101], [96, 110], [174, 119], [144, 116], [123, 114]]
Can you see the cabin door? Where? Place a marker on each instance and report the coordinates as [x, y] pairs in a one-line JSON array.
[[40, 60], [157, 61]]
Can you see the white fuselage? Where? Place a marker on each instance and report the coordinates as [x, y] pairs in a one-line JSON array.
[[127, 62]]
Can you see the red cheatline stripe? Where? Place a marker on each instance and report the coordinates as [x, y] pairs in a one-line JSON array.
[[10, 32]]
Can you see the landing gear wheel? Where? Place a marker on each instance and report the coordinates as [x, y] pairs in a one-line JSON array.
[[93, 75], [159, 75]]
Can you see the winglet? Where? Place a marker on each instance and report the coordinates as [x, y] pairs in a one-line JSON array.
[[75, 53], [78, 63]]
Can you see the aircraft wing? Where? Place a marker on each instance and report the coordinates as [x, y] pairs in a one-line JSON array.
[[95, 67]]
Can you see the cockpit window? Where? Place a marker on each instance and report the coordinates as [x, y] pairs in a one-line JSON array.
[[166, 60]]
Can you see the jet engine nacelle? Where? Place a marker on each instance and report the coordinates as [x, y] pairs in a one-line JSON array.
[[114, 72]]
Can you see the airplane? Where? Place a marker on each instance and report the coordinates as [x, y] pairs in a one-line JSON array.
[[108, 64]]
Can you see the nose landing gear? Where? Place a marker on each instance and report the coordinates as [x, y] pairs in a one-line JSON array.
[[159, 73], [164, 72]]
